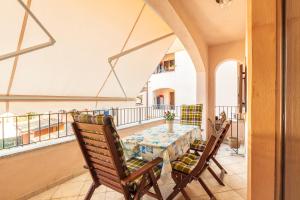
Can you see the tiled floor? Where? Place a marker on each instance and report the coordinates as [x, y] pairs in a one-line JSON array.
[[235, 181]]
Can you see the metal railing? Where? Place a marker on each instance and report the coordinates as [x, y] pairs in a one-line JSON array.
[[237, 128], [33, 128]]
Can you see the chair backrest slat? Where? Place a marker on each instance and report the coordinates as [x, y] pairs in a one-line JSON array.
[[95, 143], [91, 127], [102, 162], [93, 136], [107, 175]]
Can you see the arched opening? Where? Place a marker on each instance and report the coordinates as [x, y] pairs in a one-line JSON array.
[[227, 92], [164, 96], [227, 83]]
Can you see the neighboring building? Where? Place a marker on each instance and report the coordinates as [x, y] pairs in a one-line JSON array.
[[172, 83]]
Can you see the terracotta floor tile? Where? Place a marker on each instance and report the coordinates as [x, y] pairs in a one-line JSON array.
[[235, 181], [80, 178], [229, 195], [45, 195], [99, 196], [242, 193], [113, 196], [69, 189]]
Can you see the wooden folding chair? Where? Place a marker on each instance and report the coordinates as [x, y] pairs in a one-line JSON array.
[[200, 147], [103, 153], [189, 167]]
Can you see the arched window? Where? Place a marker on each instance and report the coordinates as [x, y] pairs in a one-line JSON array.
[[227, 84]]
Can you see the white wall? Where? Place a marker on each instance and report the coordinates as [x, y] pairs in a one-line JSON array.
[[182, 80], [226, 84]]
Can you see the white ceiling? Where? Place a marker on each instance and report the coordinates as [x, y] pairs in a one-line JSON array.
[[216, 24]]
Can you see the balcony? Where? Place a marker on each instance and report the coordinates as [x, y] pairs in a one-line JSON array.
[[46, 147]]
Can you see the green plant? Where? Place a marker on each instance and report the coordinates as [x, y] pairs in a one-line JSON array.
[[169, 116], [30, 116]]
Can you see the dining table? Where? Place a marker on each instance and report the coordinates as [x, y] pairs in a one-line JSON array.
[[157, 141]]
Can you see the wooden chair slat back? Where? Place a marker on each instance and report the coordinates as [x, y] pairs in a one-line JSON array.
[[206, 153], [98, 147], [224, 131]]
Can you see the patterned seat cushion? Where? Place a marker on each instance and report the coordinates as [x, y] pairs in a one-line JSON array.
[[89, 119], [101, 120], [191, 114], [198, 144], [185, 163], [134, 164]]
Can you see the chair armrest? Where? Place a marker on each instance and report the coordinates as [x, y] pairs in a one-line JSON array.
[[148, 166]]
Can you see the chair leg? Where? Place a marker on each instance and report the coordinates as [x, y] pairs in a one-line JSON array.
[[155, 185], [215, 176], [219, 165], [141, 187], [173, 194], [177, 181], [210, 194], [126, 194], [185, 195], [90, 192]]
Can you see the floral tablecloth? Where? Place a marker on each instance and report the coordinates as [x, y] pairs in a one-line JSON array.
[[157, 142]]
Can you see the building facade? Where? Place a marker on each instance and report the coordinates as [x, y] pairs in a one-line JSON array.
[[172, 83]]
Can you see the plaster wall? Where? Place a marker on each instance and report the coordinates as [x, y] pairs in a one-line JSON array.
[[218, 54], [262, 67], [26, 174]]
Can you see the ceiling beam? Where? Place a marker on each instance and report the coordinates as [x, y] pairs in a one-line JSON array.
[[44, 98]]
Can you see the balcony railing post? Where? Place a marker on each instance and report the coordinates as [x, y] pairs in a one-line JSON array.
[[17, 142], [66, 123], [49, 124], [39, 127], [237, 134], [3, 136], [117, 114], [58, 125], [28, 118], [140, 115]]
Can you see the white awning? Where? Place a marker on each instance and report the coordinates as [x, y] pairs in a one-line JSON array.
[[87, 33]]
